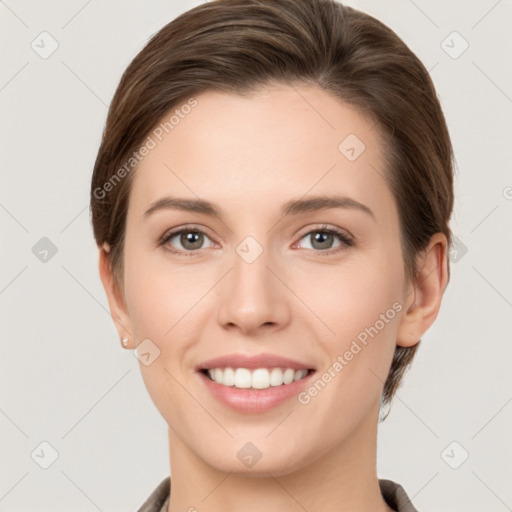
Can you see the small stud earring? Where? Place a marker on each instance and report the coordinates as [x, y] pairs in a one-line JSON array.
[[124, 342]]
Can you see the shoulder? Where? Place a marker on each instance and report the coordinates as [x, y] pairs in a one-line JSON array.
[[159, 498], [393, 493], [395, 496]]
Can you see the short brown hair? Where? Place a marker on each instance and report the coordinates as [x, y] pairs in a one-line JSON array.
[[238, 46]]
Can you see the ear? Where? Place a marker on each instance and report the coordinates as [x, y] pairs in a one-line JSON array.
[[423, 299], [115, 297]]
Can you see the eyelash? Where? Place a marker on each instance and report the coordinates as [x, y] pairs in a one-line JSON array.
[[345, 238]]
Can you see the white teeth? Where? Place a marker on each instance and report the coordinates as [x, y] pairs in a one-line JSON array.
[[300, 374], [228, 377], [288, 376], [260, 378], [276, 377], [217, 374], [242, 378]]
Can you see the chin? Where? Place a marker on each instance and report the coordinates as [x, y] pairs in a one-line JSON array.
[[253, 463]]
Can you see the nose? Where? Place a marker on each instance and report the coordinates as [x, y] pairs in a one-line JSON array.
[[253, 296]]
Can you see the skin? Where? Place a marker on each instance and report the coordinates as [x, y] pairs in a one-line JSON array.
[[250, 155]]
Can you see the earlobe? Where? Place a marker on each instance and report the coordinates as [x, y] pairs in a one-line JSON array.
[[116, 301], [423, 302]]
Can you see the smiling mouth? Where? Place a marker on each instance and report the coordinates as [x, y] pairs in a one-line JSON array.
[[258, 378]]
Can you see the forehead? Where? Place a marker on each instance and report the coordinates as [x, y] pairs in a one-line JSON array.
[[280, 142]]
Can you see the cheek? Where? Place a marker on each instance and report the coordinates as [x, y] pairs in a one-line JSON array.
[[162, 306], [164, 302], [160, 297], [361, 303], [350, 297]]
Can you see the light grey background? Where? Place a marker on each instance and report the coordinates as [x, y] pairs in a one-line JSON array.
[[66, 380]]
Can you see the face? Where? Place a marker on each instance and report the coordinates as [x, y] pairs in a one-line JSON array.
[[298, 275]]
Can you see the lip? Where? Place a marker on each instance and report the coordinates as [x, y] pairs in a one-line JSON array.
[[253, 400], [251, 362]]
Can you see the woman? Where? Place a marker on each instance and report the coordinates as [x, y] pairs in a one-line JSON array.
[[271, 202]]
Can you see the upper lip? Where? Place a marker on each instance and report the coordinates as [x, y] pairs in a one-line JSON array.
[[252, 362]]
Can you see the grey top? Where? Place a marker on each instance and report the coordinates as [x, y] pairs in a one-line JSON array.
[[393, 494]]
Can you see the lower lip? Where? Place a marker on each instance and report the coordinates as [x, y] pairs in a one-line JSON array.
[[254, 400]]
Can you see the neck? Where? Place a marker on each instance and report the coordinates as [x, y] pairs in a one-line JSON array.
[[343, 479]]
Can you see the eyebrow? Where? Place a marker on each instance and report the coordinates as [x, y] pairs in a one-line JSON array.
[[292, 207]]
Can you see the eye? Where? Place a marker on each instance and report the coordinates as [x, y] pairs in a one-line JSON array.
[[323, 238], [189, 241]]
